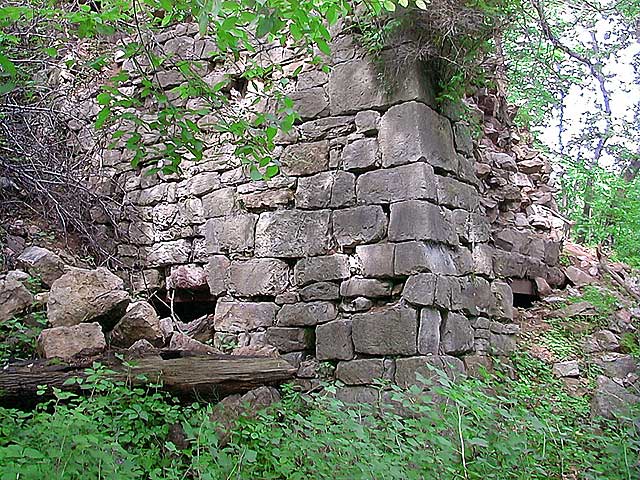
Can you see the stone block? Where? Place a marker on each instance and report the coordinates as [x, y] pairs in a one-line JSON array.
[[320, 291], [456, 334], [310, 102], [455, 194], [326, 189], [168, 253], [235, 317], [15, 298], [502, 306], [358, 225], [231, 234], [412, 132], [66, 342], [365, 287], [216, 270], [419, 220], [476, 295], [187, 277], [511, 265], [293, 233], [140, 322], [502, 344], [363, 371], [258, 276], [290, 339], [390, 330], [367, 121], [420, 289], [407, 182], [305, 158], [267, 199], [360, 155], [463, 139], [356, 85], [429, 331], [448, 293], [333, 341], [43, 263], [376, 260], [416, 257], [407, 369], [199, 184], [320, 269], [219, 203], [306, 314]]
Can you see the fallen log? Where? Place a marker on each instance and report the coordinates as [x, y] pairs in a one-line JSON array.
[[184, 375]]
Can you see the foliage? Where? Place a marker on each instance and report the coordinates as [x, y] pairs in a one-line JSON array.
[[499, 427], [18, 336]]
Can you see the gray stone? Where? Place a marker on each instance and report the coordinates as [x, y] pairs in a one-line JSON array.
[[267, 199], [566, 369], [181, 342], [456, 334], [578, 277], [367, 121], [216, 271], [358, 304], [363, 371], [448, 293], [419, 220], [258, 276], [359, 225], [330, 127], [407, 370], [390, 330], [139, 322], [357, 395], [365, 287], [311, 102], [326, 189], [231, 234], [463, 139], [200, 184], [146, 280], [320, 291], [219, 203], [15, 298], [611, 400], [305, 158], [429, 332], [167, 253], [420, 289], [333, 341], [292, 233], [376, 260], [42, 263], [141, 347], [455, 194], [413, 132], [320, 269], [306, 314], [67, 342], [617, 365], [476, 296], [601, 341], [232, 316], [290, 339], [87, 296], [502, 308], [356, 85], [407, 182], [502, 344], [187, 277], [360, 155], [416, 257]]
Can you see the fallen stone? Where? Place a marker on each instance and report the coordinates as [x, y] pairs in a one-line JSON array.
[[139, 322], [42, 263], [87, 296], [578, 277], [66, 342], [611, 400], [142, 346], [569, 368], [15, 298], [617, 365], [542, 287], [181, 342], [601, 341]]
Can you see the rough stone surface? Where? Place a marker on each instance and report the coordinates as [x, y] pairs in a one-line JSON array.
[[320, 291], [361, 372], [407, 182], [611, 400], [67, 342], [305, 158], [320, 269], [360, 155], [187, 277], [601, 341], [216, 271], [290, 339], [139, 322], [306, 314], [376, 260], [358, 225], [386, 331], [231, 234], [15, 298], [419, 220], [569, 368], [42, 263], [420, 289], [181, 342], [365, 287], [87, 296], [258, 276], [429, 331], [333, 341], [231, 316], [292, 233], [457, 334]]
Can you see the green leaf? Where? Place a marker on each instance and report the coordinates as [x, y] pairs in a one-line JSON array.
[[389, 6], [8, 66], [421, 4], [323, 46], [271, 171], [403, 3], [103, 98], [102, 117]]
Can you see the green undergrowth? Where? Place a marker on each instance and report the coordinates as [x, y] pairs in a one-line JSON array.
[[516, 424]]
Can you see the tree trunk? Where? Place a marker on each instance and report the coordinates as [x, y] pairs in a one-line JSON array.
[[185, 376]]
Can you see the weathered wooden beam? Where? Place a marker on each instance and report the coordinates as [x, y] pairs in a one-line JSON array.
[[185, 376]]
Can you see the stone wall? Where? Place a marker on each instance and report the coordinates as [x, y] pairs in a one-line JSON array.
[[381, 247]]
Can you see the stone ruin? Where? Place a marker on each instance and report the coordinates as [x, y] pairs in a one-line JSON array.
[[390, 240]]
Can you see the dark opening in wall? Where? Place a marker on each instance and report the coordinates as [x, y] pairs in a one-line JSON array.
[[522, 300], [187, 306], [524, 293]]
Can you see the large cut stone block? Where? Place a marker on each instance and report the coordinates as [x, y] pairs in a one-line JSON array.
[[66, 342], [231, 316], [290, 339], [311, 102], [305, 158], [168, 253], [333, 341], [419, 220], [376, 260], [408, 368], [353, 226], [360, 155], [230, 234], [387, 331], [365, 287], [420, 289], [456, 334], [326, 189], [321, 269], [413, 132], [455, 194], [357, 85], [293, 233], [219, 203], [407, 182], [258, 276], [364, 371], [306, 314], [476, 296], [429, 331], [216, 271], [416, 257]]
